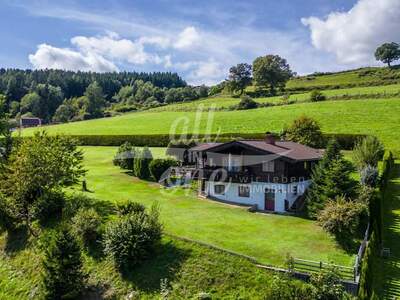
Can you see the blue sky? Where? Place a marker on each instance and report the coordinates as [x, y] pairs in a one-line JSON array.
[[198, 39]]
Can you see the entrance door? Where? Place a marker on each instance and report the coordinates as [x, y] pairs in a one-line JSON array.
[[270, 199]]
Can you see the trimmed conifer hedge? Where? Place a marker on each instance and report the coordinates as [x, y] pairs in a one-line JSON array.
[[346, 141]]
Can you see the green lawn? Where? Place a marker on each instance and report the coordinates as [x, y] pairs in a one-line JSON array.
[[387, 279], [378, 117], [266, 237]]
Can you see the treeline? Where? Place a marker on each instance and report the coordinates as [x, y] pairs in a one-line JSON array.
[[61, 96]]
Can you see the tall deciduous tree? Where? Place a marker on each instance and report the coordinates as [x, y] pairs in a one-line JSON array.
[[239, 77], [304, 130], [271, 71], [388, 53], [38, 166]]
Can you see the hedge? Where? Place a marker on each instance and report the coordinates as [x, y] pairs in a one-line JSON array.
[[346, 141], [376, 208]]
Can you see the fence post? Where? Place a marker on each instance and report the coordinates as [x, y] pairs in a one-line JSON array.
[[320, 265]]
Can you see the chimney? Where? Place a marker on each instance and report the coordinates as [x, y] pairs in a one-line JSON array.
[[269, 138]]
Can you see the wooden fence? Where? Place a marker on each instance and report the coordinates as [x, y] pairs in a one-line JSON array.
[[310, 267]]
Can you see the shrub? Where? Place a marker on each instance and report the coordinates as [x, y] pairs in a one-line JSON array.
[[129, 207], [286, 288], [316, 95], [304, 130], [159, 166], [132, 238], [368, 151], [369, 176], [142, 162], [246, 102], [7, 222], [327, 285], [75, 202], [85, 225], [341, 216], [50, 204], [125, 156], [63, 277]]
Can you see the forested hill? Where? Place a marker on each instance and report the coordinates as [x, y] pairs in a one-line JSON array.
[[62, 96], [15, 83]]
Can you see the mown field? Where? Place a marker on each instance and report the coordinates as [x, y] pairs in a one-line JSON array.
[[379, 117]]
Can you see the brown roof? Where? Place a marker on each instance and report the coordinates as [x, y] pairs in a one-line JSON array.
[[205, 146], [287, 149]]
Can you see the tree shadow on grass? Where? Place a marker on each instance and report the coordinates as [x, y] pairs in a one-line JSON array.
[[17, 240], [164, 264]]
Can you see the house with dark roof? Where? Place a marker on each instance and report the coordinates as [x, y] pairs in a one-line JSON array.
[[267, 174], [30, 122]]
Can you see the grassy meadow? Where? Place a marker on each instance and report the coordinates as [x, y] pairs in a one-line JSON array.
[[379, 117], [268, 238], [364, 76]]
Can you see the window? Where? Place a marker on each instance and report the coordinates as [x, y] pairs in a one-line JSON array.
[[268, 166], [244, 191], [219, 189]]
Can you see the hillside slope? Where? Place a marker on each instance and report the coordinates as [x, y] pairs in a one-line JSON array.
[[379, 117]]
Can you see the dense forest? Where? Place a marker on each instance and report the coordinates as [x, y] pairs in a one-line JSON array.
[[62, 96]]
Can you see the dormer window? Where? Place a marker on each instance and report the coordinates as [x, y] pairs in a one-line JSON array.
[[268, 166]]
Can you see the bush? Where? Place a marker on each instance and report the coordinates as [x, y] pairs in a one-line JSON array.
[[368, 151], [306, 131], [63, 277], [327, 285], [7, 222], [85, 225], [159, 166], [369, 176], [286, 288], [125, 156], [142, 162], [341, 216], [75, 202], [246, 102], [132, 238], [50, 204], [129, 207], [316, 95]]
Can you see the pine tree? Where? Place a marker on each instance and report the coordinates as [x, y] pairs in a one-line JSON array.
[[63, 276], [330, 179], [142, 163]]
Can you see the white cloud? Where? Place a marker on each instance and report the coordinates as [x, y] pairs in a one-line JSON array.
[[188, 38], [50, 57], [354, 35], [206, 72], [113, 47]]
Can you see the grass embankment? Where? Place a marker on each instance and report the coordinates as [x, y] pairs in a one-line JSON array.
[[358, 77], [268, 238], [188, 269], [226, 102], [387, 279], [377, 117]]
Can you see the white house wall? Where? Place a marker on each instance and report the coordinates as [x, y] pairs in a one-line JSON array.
[[257, 193]]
